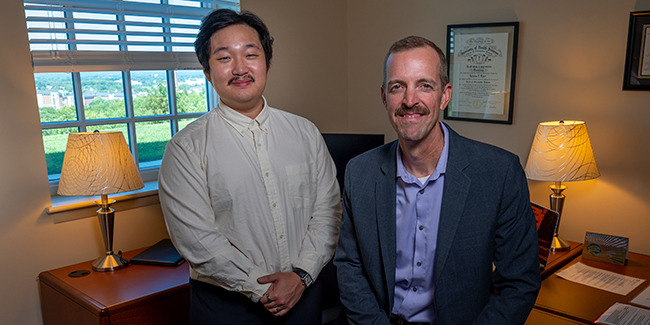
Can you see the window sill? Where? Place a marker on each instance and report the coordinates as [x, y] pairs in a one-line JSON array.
[[68, 208]]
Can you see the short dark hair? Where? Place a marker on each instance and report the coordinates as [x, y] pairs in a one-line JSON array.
[[222, 18], [412, 42]]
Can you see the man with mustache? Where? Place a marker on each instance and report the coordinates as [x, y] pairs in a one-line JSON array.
[[436, 228], [249, 192]]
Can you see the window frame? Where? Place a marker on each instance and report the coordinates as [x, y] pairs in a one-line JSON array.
[[75, 61], [148, 174]]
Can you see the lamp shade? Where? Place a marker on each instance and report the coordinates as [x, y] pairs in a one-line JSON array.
[[561, 151], [98, 163]]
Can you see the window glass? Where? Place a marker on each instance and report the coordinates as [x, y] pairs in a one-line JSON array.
[[152, 138], [54, 141], [105, 108], [55, 97], [190, 91], [149, 93], [103, 95]]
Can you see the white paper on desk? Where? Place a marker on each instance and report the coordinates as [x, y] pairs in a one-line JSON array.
[[601, 279], [622, 314], [643, 298]]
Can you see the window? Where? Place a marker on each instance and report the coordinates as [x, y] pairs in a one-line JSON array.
[[118, 65], [87, 101]]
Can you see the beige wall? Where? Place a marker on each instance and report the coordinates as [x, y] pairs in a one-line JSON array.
[[327, 67], [308, 71]]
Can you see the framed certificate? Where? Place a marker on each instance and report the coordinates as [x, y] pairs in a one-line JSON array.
[[637, 60], [482, 61]]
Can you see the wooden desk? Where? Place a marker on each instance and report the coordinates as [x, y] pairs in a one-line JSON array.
[[540, 317], [583, 303], [138, 294], [556, 260]]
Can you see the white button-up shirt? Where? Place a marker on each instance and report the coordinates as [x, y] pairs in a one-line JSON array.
[[243, 198]]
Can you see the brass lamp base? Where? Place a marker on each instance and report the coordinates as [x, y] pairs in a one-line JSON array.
[[106, 218], [109, 262], [557, 203], [559, 244]]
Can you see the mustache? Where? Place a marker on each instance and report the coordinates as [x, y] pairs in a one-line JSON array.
[[239, 78], [417, 109]]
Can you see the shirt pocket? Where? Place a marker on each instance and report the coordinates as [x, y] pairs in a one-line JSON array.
[[220, 198], [302, 184]]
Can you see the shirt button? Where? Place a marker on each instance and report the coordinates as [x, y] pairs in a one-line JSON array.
[[274, 205], [281, 236], [421, 191], [421, 227], [415, 289], [419, 264]]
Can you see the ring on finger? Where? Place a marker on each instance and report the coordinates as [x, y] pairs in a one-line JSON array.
[[276, 309], [268, 298]]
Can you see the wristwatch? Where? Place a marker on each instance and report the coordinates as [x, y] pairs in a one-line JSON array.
[[304, 276]]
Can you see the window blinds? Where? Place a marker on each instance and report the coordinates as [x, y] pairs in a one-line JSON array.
[[116, 35]]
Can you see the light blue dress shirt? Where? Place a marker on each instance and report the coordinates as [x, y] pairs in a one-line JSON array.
[[417, 217]]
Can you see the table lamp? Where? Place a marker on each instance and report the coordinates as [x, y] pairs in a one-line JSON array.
[[100, 163], [561, 152]]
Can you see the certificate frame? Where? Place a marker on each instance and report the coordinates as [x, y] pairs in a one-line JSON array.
[[637, 58], [482, 64]]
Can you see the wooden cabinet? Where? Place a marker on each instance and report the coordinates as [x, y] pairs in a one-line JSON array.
[[138, 294]]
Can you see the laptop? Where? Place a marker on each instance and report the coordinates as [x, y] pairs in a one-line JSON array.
[[163, 253], [547, 221]]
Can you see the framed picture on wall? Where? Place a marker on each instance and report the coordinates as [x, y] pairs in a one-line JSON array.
[[482, 61], [637, 60]]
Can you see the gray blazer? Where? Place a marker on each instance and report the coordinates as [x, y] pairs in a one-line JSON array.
[[485, 218]]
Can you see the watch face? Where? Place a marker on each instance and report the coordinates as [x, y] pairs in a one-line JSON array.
[[304, 276], [306, 279]]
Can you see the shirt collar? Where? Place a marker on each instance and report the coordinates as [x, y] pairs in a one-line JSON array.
[[241, 122], [441, 168]]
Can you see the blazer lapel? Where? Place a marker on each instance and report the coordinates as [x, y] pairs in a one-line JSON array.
[[385, 205], [453, 200]]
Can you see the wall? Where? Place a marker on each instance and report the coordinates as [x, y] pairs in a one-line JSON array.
[[308, 70], [570, 66]]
